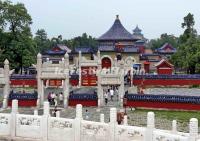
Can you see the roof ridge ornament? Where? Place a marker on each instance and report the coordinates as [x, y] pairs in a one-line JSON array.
[[117, 17]]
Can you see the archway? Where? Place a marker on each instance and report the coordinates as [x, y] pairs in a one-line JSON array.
[[106, 62]]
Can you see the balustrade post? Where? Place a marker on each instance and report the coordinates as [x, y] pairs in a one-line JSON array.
[[150, 126], [102, 118], [193, 129], [112, 124], [125, 120], [35, 112], [46, 109], [58, 114], [13, 118], [174, 126], [77, 123]]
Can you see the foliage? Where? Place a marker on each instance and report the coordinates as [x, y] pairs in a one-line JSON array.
[[188, 51], [16, 39], [81, 41], [41, 40], [164, 38]]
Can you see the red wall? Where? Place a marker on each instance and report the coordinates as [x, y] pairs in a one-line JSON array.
[[163, 105], [165, 82], [164, 71], [87, 103], [25, 103], [30, 82]]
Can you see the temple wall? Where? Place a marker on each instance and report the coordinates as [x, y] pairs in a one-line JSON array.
[[46, 128]]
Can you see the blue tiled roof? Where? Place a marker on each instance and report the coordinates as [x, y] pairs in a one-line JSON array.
[[166, 45], [106, 48], [50, 52], [84, 50], [131, 49], [117, 32], [124, 49]]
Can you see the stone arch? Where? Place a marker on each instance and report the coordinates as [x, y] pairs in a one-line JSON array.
[[106, 61]]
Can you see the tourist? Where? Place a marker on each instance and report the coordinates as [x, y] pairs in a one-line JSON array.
[[53, 95], [106, 97], [86, 114], [61, 98], [111, 94], [49, 98], [54, 111]]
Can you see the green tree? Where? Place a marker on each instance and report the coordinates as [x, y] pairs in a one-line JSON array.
[[164, 38], [188, 51], [41, 40], [16, 39]]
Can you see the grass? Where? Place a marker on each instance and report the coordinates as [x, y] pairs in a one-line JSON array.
[[181, 116], [163, 118]]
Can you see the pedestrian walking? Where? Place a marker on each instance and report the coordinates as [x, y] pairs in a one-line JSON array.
[[111, 94], [61, 98], [86, 114], [106, 97]]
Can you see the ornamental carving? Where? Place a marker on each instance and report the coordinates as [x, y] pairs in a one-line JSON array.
[[163, 138], [3, 120], [95, 129], [60, 124], [31, 121], [130, 133]]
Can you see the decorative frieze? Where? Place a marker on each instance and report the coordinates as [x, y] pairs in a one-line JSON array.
[[3, 120], [31, 121], [60, 124]]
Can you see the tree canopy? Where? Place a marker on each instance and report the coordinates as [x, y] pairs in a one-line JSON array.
[[188, 50]]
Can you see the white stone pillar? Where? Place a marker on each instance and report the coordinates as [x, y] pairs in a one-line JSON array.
[[100, 91], [39, 81], [13, 118], [102, 118], [66, 60], [121, 88], [58, 114], [112, 124], [150, 127], [115, 62], [79, 64], [66, 90], [131, 73], [125, 120], [77, 123], [44, 129], [174, 126], [193, 129], [36, 112], [6, 90]]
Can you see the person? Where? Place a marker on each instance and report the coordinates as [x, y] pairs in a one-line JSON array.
[[53, 95], [106, 97], [49, 98], [54, 111], [86, 114], [111, 94], [61, 98]]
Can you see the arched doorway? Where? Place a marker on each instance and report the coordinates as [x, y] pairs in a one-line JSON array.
[[106, 62]]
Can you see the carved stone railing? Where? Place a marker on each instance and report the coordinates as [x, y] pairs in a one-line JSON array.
[[18, 126]]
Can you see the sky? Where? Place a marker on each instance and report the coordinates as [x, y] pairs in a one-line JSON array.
[[71, 18]]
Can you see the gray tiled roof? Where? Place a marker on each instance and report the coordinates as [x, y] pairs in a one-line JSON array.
[[106, 48], [117, 32], [125, 48], [131, 49]]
